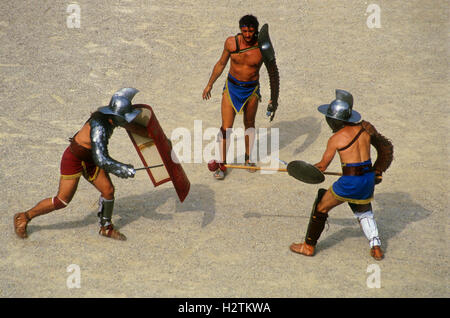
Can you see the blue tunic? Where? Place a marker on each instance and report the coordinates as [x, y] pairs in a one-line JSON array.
[[355, 189], [239, 95]]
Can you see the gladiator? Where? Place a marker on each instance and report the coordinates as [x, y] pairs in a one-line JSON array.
[[87, 155], [247, 50], [352, 139]]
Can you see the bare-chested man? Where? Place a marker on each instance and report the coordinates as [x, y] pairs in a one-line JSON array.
[[87, 156], [352, 140], [241, 91]]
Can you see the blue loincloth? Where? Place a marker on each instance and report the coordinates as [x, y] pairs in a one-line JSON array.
[[240, 94], [355, 189]]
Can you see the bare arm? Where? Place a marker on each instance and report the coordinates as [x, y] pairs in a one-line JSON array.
[[328, 155], [217, 71]]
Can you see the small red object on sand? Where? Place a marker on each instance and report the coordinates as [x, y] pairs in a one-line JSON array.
[[213, 165]]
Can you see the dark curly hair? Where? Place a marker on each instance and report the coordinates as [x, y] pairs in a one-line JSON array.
[[249, 21]]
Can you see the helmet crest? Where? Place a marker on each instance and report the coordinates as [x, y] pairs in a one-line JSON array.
[[120, 105]]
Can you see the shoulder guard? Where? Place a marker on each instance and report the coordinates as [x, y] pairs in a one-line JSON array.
[[265, 45]]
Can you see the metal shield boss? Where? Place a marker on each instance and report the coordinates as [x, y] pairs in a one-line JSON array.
[[305, 172], [157, 150]]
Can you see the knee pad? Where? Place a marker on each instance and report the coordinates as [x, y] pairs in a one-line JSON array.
[[358, 208], [58, 203]]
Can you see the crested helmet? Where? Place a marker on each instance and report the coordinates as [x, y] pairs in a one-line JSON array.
[[341, 108], [120, 105]]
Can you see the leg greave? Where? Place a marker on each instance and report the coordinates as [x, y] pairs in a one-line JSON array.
[[369, 227], [105, 211], [316, 221]]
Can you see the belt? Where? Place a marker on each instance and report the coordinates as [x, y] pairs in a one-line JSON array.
[[82, 153], [356, 170], [243, 85]]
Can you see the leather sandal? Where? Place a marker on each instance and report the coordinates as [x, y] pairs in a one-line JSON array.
[[20, 224], [250, 164], [109, 231], [219, 174], [302, 248], [376, 253]]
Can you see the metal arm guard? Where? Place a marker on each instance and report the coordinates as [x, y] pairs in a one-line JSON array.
[[101, 131], [384, 147], [268, 55], [274, 79]]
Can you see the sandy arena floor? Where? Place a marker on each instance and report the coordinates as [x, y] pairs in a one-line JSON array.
[[230, 238]]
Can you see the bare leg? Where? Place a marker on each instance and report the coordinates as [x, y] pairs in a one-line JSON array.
[[228, 115], [104, 185], [249, 123], [67, 189], [328, 202]]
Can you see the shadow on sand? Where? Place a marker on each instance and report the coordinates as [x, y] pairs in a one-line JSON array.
[[129, 209], [393, 212], [289, 131], [292, 129]]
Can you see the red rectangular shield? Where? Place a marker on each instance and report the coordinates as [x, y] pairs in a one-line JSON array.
[[157, 150]]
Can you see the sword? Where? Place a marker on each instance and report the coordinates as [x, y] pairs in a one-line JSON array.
[[161, 165], [255, 168], [298, 169]]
